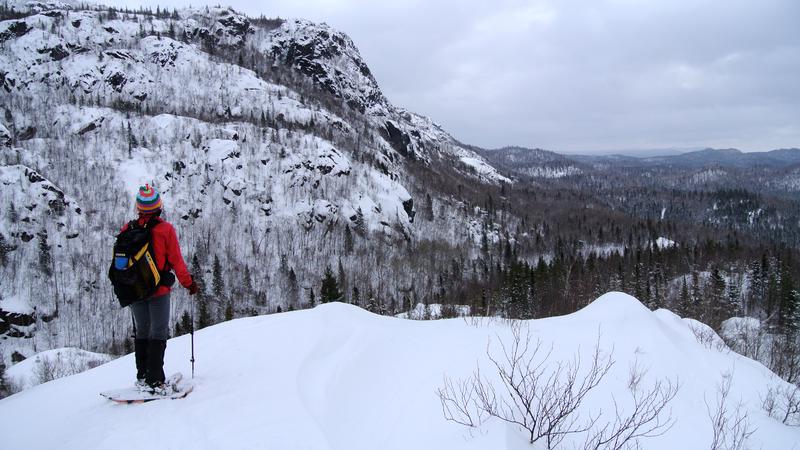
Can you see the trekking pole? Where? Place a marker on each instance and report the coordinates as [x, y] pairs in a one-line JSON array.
[[192, 333]]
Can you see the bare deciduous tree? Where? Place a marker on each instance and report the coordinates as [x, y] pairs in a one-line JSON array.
[[543, 399]]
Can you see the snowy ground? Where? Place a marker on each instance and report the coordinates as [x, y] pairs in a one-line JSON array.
[[337, 377], [52, 364]]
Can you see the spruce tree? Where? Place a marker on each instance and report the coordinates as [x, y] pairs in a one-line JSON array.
[[247, 284], [717, 302], [788, 297], [3, 385], [792, 320], [197, 273], [218, 284], [734, 299], [330, 288], [229, 310], [45, 257], [685, 302], [342, 279], [203, 313], [184, 325], [5, 249], [360, 224], [348, 240]]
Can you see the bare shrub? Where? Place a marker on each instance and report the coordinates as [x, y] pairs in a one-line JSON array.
[[459, 402], [783, 403], [730, 423], [706, 336], [543, 399], [647, 418], [745, 339], [12, 386], [449, 311], [784, 358], [61, 365]]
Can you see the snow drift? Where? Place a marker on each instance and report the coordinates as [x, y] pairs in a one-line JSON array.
[[338, 377]]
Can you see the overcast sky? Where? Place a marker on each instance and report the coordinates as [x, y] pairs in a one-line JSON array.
[[578, 75]]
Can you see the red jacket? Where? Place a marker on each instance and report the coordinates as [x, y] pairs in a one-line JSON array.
[[167, 252]]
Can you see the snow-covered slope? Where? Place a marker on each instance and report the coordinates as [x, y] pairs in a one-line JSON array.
[[337, 377], [53, 364]]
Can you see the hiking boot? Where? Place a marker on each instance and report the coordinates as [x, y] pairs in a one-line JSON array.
[[171, 385], [162, 389]]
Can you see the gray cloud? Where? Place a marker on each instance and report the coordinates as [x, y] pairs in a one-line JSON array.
[[580, 76]]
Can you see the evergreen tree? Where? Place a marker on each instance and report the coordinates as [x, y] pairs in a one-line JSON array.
[[247, 284], [717, 301], [5, 249], [45, 256], [203, 313], [516, 301], [427, 209], [218, 284], [3, 384], [356, 298], [360, 224], [186, 323], [229, 310], [685, 301], [348, 240], [197, 273], [330, 288], [342, 279], [792, 319], [788, 296], [312, 300], [734, 300], [132, 143]]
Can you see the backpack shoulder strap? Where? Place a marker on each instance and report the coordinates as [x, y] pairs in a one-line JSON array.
[[155, 220]]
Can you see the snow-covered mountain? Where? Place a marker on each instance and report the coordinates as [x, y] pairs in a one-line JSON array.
[[533, 162], [274, 148], [338, 377]]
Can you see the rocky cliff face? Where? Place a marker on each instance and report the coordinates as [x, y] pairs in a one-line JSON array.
[[276, 152]]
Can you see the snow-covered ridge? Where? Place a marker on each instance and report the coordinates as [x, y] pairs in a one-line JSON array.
[[550, 172], [330, 373], [330, 58]]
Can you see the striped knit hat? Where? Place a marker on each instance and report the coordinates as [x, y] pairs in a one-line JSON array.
[[148, 200]]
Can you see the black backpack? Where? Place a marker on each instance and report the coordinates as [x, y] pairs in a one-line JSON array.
[[133, 272]]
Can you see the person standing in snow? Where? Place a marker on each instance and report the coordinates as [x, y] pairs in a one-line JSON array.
[[151, 315]]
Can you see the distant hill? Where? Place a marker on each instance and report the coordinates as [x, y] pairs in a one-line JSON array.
[[532, 162], [702, 158], [730, 158]]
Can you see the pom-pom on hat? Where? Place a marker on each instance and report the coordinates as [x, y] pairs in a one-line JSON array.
[[148, 200]]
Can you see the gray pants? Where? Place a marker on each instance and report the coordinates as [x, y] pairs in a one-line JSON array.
[[151, 318]]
